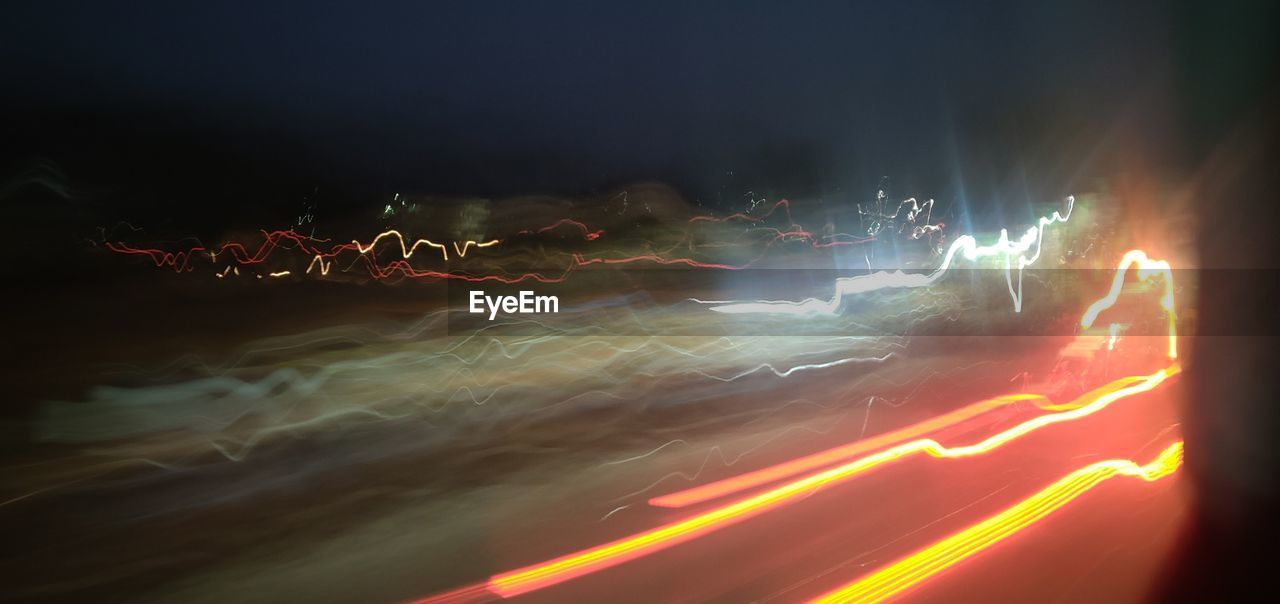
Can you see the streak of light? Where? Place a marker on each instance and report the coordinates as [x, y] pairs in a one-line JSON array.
[[181, 261], [319, 260], [325, 255], [564, 568], [967, 245], [462, 251], [587, 233], [1148, 270], [407, 251], [927, 562], [742, 482], [579, 260]]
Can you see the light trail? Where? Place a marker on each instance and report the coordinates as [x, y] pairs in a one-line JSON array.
[[407, 251], [938, 557], [587, 561], [320, 256], [1148, 270], [743, 482], [587, 233], [966, 245], [564, 568], [322, 253]]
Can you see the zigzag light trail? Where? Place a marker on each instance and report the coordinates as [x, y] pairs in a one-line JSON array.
[[927, 562], [321, 253], [966, 245]]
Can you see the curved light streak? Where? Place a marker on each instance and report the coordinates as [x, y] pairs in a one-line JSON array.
[[1148, 270], [936, 558], [564, 568], [750, 480], [966, 245]]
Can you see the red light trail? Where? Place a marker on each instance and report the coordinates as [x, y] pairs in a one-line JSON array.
[[321, 253]]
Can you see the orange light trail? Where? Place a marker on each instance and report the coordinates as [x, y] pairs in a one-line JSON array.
[[1148, 269], [927, 562], [597, 558], [742, 482]]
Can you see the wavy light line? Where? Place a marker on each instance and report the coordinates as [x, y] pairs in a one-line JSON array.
[[742, 482], [325, 255], [927, 562], [967, 244], [1148, 270], [587, 233], [580, 563]]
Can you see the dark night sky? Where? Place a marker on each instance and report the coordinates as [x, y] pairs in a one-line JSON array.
[[259, 101]]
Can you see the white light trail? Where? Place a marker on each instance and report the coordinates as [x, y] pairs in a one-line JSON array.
[[967, 245]]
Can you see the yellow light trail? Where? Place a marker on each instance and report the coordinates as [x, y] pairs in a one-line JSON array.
[[927, 562], [407, 250], [597, 558], [324, 266], [761, 477]]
